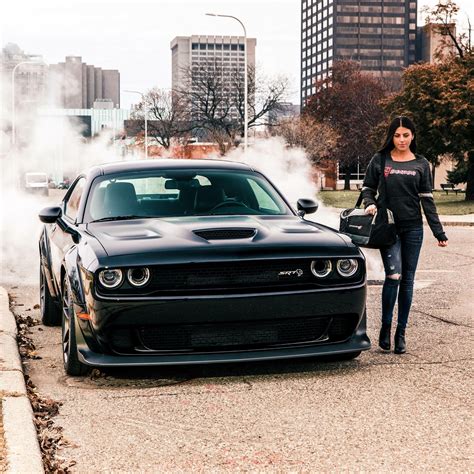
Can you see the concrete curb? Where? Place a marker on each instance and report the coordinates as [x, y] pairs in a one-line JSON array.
[[457, 223], [23, 451]]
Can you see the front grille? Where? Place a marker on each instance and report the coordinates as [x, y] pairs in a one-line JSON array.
[[242, 335], [225, 234], [241, 276]]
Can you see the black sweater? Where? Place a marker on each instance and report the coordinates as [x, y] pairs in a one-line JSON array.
[[408, 184]]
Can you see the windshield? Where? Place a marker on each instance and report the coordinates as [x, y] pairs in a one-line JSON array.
[[169, 193]]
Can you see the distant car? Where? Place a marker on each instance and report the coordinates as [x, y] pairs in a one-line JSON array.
[[63, 185], [36, 182], [169, 262]]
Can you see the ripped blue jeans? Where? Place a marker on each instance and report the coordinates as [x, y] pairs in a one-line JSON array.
[[400, 258]]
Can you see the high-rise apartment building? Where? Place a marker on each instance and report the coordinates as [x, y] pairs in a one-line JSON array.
[[379, 34], [77, 85], [194, 56]]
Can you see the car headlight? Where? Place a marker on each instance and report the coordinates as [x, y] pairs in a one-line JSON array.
[[347, 267], [138, 277], [321, 268], [111, 278]]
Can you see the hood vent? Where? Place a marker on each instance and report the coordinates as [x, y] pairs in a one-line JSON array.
[[225, 234]]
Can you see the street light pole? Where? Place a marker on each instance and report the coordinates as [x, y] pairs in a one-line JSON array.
[[146, 119], [245, 76], [13, 96]]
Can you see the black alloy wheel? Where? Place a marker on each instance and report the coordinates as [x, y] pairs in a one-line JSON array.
[[49, 308], [72, 364]]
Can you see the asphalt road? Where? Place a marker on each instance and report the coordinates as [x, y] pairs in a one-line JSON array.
[[379, 412]]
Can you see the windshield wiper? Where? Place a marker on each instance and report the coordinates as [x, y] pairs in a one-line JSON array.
[[119, 218]]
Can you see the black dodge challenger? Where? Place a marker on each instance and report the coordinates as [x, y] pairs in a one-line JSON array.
[[195, 261]]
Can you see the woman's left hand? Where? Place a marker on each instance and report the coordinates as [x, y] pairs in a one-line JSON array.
[[442, 243]]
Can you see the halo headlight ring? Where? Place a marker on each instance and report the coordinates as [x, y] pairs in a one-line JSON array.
[[111, 278], [138, 277], [347, 267], [321, 268]]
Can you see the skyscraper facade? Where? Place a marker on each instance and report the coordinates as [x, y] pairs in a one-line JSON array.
[[379, 34]]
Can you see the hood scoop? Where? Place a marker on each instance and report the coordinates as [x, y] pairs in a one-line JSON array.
[[225, 234]]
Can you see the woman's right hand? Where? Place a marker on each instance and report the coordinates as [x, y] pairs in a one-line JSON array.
[[372, 209]]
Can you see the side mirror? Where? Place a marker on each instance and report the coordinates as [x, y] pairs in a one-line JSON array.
[[49, 215], [306, 206]]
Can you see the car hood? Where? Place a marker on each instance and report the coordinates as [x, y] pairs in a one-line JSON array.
[[176, 238]]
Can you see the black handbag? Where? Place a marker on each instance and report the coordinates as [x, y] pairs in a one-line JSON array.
[[367, 230]]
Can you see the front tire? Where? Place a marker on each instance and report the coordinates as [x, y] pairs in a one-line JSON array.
[[72, 364], [49, 308]]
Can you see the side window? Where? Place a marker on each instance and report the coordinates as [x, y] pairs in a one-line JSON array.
[[72, 204]]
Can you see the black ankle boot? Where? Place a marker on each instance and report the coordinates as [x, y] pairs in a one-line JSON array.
[[400, 346], [384, 337]]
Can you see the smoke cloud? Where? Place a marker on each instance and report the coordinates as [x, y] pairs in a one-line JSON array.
[[54, 145], [49, 144], [291, 171]]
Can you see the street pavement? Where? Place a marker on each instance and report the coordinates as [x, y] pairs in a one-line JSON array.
[[380, 412]]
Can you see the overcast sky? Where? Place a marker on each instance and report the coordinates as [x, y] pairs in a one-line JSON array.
[[134, 36]]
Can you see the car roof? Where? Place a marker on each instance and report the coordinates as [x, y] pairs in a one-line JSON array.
[[165, 163]]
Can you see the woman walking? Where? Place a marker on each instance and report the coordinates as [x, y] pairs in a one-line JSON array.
[[408, 183]]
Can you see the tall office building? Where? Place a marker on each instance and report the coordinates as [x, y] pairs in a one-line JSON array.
[[77, 85], [379, 34], [192, 56], [30, 79]]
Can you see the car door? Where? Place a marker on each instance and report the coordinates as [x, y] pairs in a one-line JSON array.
[[61, 240]]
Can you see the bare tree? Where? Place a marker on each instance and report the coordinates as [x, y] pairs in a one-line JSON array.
[[215, 101], [264, 95], [167, 116]]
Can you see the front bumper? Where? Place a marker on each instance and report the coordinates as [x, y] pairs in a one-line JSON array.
[[94, 342]]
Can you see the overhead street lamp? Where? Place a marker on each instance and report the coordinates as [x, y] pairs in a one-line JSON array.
[[13, 95], [146, 118], [245, 76]]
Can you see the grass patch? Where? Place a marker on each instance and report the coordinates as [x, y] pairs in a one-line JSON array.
[[446, 203]]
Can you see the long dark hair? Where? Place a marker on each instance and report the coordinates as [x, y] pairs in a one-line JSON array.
[[400, 121]]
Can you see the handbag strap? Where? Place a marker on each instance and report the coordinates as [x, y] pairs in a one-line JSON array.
[[381, 179], [384, 181]]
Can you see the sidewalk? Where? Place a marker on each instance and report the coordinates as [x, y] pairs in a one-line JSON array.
[[463, 220], [19, 433]]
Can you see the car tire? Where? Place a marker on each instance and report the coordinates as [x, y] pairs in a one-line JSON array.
[[49, 308], [72, 364]]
